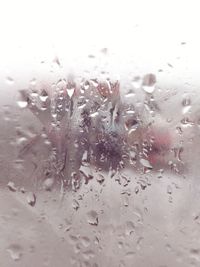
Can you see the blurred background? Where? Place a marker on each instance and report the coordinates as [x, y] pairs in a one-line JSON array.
[[144, 211]]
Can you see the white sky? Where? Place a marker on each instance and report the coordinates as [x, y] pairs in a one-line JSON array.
[[141, 36]]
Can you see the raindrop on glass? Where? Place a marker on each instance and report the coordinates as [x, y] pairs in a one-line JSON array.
[[31, 199], [85, 241], [75, 204], [100, 178], [9, 80], [22, 103], [92, 217], [169, 189], [148, 84], [44, 96], [129, 228], [15, 251], [11, 186], [146, 163], [48, 184], [70, 92]]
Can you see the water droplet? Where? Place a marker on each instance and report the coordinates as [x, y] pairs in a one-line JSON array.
[[94, 114], [86, 86], [48, 184], [85, 241], [148, 84], [88, 254], [136, 82], [169, 189], [146, 163], [21, 140], [186, 109], [131, 125], [92, 217], [100, 178], [136, 190], [195, 254], [68, 225], [126, 201], [34, 94], [170, 65], [11, 186], [73, 239], [126, 192], [94, 82], [15, 251], [130, 94], [130, 112], [86, 173], [56, 61], [22, 190], [186, 102], [31, 199], [70, 92], [143, 184], [44, 96], [22, 103], [186, 122], [10, 80], [139, 242], [75, 204], [129, 228]]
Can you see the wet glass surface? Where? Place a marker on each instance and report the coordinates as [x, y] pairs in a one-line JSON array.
[[99, 140]]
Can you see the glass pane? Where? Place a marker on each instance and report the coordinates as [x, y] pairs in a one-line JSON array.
[[99, 146]]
